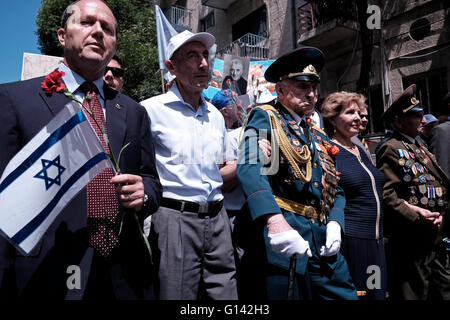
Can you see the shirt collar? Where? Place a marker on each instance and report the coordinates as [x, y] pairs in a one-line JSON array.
[[410, 139], [73, 80], [174, 95], [294, 115]]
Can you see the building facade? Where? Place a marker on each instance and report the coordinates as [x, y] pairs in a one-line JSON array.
[[374, 47]]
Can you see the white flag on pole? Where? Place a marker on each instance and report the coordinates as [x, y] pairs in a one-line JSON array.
[[164, 31], [50, 170]]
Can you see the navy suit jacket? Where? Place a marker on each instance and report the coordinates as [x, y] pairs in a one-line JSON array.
[[24, 110]]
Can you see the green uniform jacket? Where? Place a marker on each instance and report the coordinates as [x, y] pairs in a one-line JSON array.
[[260, 188], [402, 224]]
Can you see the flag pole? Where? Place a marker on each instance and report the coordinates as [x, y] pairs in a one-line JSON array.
[[162, 82]]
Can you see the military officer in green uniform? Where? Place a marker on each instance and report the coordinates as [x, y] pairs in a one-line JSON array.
[[296, 205], [415, 196]]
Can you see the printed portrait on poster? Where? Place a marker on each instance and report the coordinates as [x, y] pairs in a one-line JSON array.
[[235, 71]]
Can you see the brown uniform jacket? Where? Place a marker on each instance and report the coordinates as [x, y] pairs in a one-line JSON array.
[[401, 223]]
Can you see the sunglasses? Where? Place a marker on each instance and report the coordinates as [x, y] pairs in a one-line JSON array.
[[364, 116], [117, 72]]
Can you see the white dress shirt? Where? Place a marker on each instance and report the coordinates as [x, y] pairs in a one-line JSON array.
[[189, 144], [235, 199]]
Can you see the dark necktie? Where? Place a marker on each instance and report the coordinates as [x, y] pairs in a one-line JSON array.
[[102, 202], [306, 132]]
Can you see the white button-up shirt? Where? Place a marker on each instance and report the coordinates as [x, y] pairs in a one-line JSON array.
[[189, 145], [235, 199]]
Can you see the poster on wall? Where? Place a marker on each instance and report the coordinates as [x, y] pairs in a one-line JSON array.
[[253, 75], [257, 83]]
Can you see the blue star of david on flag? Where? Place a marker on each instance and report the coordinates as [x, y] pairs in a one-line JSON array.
[[44, 173]]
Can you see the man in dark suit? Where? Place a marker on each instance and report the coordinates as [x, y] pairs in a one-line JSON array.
[[415, 196], [88, 35], [296, 206]]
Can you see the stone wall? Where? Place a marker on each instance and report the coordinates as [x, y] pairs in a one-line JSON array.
[[36, 65]]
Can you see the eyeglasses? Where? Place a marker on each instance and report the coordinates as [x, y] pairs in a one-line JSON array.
[[117, 72]]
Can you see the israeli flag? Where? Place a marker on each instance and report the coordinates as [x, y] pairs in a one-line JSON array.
[[46, 174]]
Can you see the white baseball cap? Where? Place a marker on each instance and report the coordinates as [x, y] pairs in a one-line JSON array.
[[186, 36], [265, 96]]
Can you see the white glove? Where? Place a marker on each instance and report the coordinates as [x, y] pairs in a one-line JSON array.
[[289, 243], [333, 242]]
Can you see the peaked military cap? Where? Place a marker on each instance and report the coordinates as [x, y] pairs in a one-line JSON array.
[[405, 104], [303, 64]]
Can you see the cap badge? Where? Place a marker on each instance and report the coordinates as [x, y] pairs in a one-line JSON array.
[[414, 101], [309, 69]]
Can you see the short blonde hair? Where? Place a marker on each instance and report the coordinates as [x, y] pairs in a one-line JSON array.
[[335, 102]]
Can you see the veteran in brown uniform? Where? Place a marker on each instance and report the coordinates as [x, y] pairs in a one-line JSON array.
[[416, 207]]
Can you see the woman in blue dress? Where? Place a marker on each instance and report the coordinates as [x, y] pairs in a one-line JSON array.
[[362, 244]]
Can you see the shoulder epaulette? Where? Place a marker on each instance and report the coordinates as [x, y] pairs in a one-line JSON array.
[[265, 107], [318, 129]]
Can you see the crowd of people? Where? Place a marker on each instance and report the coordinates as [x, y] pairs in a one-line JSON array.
[[278, 201]]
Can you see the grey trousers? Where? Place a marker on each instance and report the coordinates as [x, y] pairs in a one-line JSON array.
[[193, 250]]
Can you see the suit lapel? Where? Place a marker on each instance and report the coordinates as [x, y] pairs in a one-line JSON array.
[[116, 114], [55, 103]]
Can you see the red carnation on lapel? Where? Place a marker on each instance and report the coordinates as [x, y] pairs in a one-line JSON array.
[[52, 82]]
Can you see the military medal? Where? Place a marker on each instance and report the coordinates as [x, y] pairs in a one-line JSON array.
[[409, 163], [424, 201], [402, 160], [330, 179], [423, 190], [431, 195], [424, 156], [407, 178], [295, 142], [414, 169], [413, 199], [440, 201]]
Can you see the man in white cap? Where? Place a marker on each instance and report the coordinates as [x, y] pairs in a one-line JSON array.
[[430, 122], [191, 233]]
